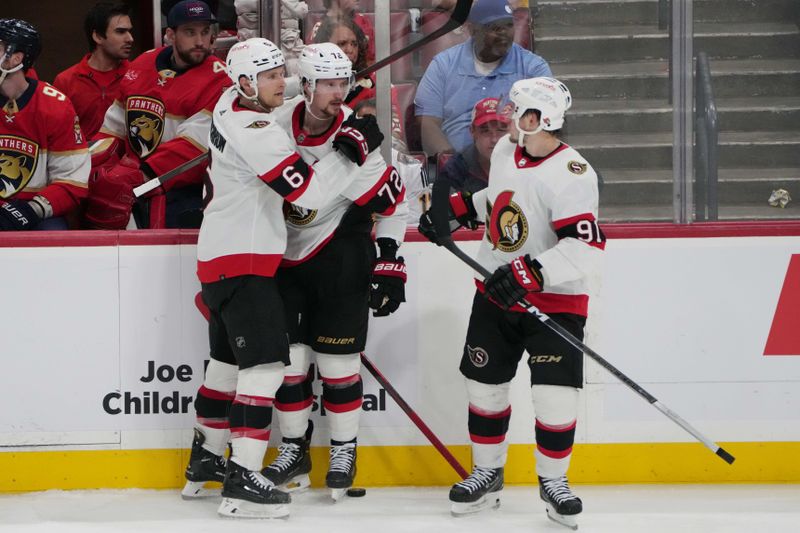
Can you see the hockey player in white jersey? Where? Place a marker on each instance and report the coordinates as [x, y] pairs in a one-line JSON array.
[[542, 241], [330, 275], [254, 169]]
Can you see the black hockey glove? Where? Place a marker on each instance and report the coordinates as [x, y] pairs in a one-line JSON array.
[[388, 285], [462, 209], [18, 215], [510, 283], [358, 137]]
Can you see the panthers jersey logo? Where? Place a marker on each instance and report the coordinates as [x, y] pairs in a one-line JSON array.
[[18, 158], [506, 225], [299, 216], [145, 119]]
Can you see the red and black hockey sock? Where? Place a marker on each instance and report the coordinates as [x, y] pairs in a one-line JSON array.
[[251, 419], [295, 394], [487, 427], [213, 409], [555, 442], [342, 399]]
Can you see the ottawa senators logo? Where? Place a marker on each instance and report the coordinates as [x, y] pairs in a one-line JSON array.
[[145, 120], [507, 227], [18, 158], [478, 356], [576, 167], [298, 216]]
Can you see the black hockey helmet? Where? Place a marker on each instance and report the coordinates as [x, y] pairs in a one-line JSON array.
[[20, 36]]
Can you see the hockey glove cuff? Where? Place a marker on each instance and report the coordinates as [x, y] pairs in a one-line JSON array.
[[510, 283], [462, 209], [18, 215]]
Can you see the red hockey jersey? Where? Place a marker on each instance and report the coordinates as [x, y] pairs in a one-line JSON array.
[[42, 149], [163, 116]]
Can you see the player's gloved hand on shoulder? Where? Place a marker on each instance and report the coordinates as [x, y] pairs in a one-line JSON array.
[[511, 282], [18, 215], [358, 137], [388, 284]]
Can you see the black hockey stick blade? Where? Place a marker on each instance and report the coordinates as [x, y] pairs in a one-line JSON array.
[[457, 18], [614, 371]]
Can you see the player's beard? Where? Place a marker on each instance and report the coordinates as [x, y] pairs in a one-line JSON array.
[[192, 60]]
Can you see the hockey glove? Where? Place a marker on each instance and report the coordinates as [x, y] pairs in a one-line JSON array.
[[462, 209], [388, 286], [358, 137], [111, 198], [510, 283], [18, 215]]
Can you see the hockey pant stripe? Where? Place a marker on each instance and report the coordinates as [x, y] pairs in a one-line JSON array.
[[555, 441], [486, 427], [295, 394]]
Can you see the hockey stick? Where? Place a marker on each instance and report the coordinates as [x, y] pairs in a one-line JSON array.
[[457, 18], [381, 379], [155, 183], [442, 227], [414, 417]]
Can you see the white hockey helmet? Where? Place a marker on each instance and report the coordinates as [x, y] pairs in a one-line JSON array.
[[324, 61], [250, 57], [547, 95]]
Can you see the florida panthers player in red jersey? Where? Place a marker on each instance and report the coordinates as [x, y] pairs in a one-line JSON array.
[[543, 242], [44, 161], [254, 169], [330, 276], [160, 121]]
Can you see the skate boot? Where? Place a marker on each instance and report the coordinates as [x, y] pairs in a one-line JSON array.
[[289, 471], [481, 490], [562, 505], [342, 469], [204, 466], [248, 494]]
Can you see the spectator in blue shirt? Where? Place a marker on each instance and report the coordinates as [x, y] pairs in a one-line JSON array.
[[486, 65]]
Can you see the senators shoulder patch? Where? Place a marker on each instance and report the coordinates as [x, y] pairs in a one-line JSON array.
[[576, 167], [258, 124]]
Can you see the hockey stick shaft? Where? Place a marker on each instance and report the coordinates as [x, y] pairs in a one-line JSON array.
[[155, 183], [570, 338], [441, 448], [457, 18]]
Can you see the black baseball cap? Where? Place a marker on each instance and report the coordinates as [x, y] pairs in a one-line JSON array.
[[188, 11]]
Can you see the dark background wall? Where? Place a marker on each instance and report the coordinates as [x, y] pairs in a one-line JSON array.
[[61, 26]]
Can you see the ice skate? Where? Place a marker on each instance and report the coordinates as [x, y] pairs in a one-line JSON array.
[[562, 505], [289, 471], [204, 466], [248, 494], [342, 469], [481, 490]]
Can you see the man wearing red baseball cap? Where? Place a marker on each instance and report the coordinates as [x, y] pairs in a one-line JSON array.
[[469, 170]]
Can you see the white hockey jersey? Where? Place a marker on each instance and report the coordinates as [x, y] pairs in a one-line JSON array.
[[546, 208], [375, 188], [254, 168]]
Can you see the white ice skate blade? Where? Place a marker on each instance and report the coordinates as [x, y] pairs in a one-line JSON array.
[[197, 489], [234, 508], [569, 521], [489, 501], [338, 494], [296, 484]]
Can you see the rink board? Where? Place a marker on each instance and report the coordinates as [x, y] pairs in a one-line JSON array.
[[106, 351]]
